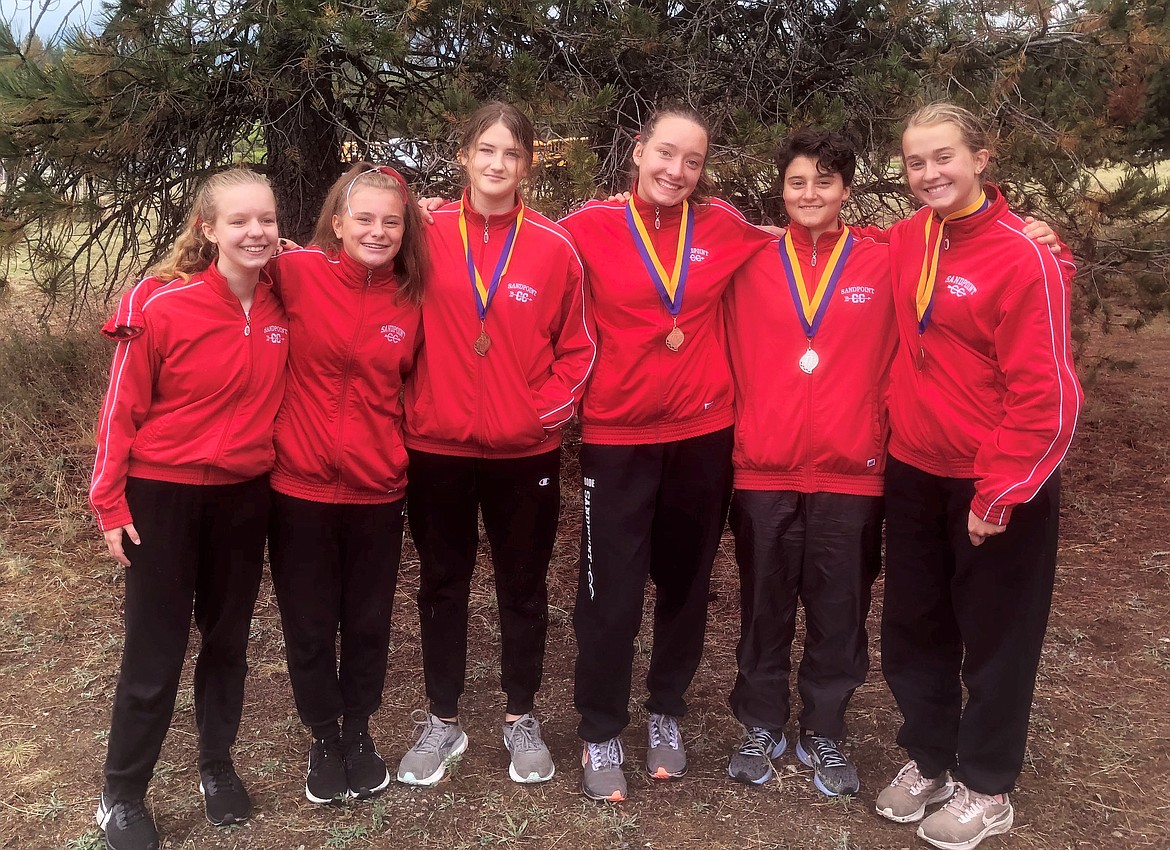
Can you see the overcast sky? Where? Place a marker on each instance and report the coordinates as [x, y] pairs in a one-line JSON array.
[[20, 14]]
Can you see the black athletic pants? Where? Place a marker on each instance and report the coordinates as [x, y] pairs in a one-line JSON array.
[[957, 614], [335, 568], [202, 551], [824, 549], [520, 499], [654, 511]]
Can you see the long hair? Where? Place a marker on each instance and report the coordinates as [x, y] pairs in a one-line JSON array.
[[412, 262], [498, 112], [193, 251], [705, 187], [972, 131]]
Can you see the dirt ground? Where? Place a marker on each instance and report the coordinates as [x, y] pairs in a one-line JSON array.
[[1097, 773]]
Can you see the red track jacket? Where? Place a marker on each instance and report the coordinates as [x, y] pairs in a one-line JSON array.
[[641, 391], [823, 432], [194, 389], [513, 401], [996, 398], [339, 432]]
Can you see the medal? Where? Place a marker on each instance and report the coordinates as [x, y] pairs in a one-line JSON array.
[[485, 294], [811, 311], [482, 343], [670, 287]]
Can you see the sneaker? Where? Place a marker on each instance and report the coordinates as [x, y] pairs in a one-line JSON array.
[[833, 774], [666, 758], [905, 799], [438, 744], [966, 819], [326, 783], [752, 761], [602, 778], [127, 824], [225, 799], [365, 771], [531, 760]]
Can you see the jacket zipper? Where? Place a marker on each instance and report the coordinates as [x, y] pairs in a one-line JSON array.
[[250, 345], [345, 380]]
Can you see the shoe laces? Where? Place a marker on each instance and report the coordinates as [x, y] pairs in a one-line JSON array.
[[663, 726], [966, 804], [757, 742], [128, 812], [826, 751], [360, 746], [910, 778], [220, 776], [431, 731], [605, 755], [525, 735]]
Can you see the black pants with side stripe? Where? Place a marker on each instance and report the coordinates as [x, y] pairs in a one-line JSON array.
[[202, 554], [334, 568], [651, 511], [825, 550], [520, 499], [959, 615]]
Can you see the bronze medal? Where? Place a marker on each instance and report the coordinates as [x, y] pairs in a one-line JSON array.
[[674, 339], [809, 361], [482, 343]]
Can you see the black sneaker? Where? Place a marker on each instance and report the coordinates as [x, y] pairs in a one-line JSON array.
[[225, 799], [326, 782], [127, 824], [833, 773], [365, 771]]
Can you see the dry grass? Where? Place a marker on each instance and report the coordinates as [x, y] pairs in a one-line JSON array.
[[1098, 767]]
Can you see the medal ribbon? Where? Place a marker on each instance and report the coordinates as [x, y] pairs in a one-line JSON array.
[[670, 287], [811, 311], [485, 294], [924, 300]]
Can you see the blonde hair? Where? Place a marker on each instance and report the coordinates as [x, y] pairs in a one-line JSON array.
[[972, 131], [412, 262], [193, 251]]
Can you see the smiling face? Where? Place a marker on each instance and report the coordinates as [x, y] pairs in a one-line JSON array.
[[670, 162], [811, 198], [942, 170], [243, 230], [371, 230], [495, 163]]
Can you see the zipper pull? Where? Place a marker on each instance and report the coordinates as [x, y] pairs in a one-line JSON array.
[[657, 219], [946, 243], [814, 257], [485, 231], [247, 323]]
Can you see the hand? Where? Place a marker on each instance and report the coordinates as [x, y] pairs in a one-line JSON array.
[[426, 205], [620, 198], [114, 542], [1041, 233], [979, 530], [283, 244]]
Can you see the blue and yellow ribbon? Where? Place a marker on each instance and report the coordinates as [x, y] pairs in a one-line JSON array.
[[924, 299], [485, 294], [811, 310], [670, 287]]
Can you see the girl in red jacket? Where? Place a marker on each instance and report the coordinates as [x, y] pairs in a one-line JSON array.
[[180, 490], [508, 346], [339, 483], [983, 409], [657, 438]]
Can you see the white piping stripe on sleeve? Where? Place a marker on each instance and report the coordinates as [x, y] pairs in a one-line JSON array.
[[103, 454]]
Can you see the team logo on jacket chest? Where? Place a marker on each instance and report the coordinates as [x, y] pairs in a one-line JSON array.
[[959, 286], [857, 294], [699, 254], [393, 333], [276, 334], [521, 292]]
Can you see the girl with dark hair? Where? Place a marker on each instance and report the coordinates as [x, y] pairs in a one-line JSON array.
[[180, 490], [657, 437], [984, 404], [508, 347], [335, 538]]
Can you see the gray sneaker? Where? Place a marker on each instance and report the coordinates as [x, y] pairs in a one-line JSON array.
[[438, 744], [752, 760], [666, 757], [531, 760], [905, 799], [833, 774], [602, 777]]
